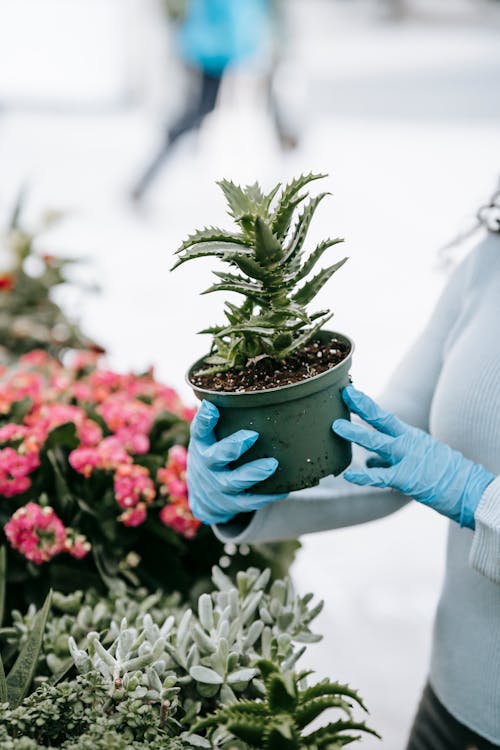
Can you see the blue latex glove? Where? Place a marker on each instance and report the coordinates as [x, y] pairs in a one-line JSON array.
[[411, 461], [217, 493]]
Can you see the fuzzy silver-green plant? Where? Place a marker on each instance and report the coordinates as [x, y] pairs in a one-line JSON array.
[[279, 721], [272, 273], [212, 652], [77, 615]]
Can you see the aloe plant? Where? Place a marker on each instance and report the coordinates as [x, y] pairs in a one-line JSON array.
[[272, 272], [280, 720]]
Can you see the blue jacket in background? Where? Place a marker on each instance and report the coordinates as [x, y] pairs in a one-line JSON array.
[[218, 33]]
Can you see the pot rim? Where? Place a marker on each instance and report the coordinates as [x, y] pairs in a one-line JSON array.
[[280, 388]]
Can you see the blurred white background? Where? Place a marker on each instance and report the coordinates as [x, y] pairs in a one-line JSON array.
[[398, 102]]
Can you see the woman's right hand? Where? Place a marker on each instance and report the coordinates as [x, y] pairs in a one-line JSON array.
[[216, 492]]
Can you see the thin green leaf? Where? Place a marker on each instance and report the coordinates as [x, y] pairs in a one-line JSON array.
[[214, 249], [245, 289], [212, 235], [311, 288], [325, 687], [21, 675], [309, 264], [307, 336], [309, 711], [3, 684], [302, 227], [293, 187], [3, 581], [249, 266], [284, 215], [13, 222]]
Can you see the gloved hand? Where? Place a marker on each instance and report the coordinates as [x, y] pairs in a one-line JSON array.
[[412, 462], [217, 493]]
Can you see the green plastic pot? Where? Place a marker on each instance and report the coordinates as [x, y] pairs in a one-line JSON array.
[[294, 423]]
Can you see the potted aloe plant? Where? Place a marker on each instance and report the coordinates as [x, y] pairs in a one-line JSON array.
[[273, 367]]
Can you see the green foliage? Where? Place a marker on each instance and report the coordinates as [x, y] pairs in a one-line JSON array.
[[154, 674], [212, 652], [15, 686], [279, 720], [29, 316], [267, 252]]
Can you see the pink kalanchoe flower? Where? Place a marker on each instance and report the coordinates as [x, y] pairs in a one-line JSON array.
[[188, 413], [134, 516], [89, 432], [173, 476], [13, 432], [134, 442], [180, 519], [112, 454], [177, 458], [119, 412], [84, 460], [82, 360], [76, 544], [81, 391], [24, 384], [10, 487], [14, 470], [108, 455], [38, 358], [36, 532], [133, 485]]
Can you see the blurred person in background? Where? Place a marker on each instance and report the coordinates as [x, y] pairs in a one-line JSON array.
[[212, 37], [435, 440]]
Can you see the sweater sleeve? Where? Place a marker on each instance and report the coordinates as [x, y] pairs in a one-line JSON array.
[[335, 503], [485, 550]]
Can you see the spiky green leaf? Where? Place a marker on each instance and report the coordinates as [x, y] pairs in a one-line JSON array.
[[309, 264], [305, 337], [311, 288], [302, 227], [214, 249], [252, 732], [211, 235], [4, 697], [320, 689], [246, 289], [310, 710], [3, 581], [282, 693], [21, 675], [268, 249]]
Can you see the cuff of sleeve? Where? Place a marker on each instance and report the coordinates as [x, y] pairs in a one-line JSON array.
[[485, 551], [242, 529]]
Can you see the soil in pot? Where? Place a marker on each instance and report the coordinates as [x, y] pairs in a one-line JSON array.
[[292, 410], [265, 372]]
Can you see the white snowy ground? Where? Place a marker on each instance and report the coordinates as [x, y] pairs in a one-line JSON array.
[[405, 119]]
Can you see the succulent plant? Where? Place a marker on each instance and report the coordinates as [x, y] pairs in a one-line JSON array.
[[211, 653], [155, 674], [280, 719], [267, 251]]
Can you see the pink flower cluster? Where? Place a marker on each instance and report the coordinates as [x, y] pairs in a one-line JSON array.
[[177, 514], [40, 535], [113, 415], [134, 490]]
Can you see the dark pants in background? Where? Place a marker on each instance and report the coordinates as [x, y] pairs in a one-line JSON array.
[[202, 105], [436, 729]]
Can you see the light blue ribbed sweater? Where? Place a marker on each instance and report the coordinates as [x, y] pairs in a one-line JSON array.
[[449, 385]]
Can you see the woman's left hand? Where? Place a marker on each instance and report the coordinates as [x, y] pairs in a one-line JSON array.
[[411, 461]]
